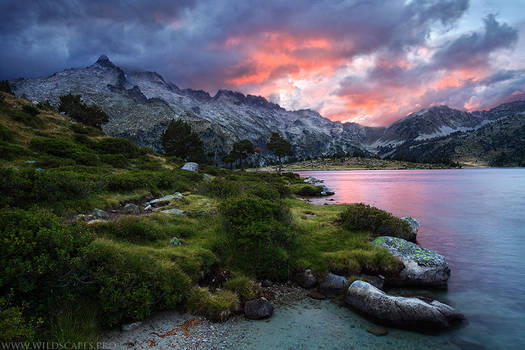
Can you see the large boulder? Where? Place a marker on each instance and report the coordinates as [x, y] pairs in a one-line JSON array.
[[191, 166], [422, 267], [414, 224], [333, 285], [306, 279], [400, 311], [257, 309]]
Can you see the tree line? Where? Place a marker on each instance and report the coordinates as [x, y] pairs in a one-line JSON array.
[[181, 141]]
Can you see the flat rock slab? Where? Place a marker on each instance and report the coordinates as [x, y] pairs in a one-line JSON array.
[[378, 331], [400, 311], [422, 267]]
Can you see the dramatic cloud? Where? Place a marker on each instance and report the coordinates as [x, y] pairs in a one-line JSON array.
[[365, 61]]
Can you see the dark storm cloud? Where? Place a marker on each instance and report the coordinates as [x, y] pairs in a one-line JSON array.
[[255, 46], [474, 49]]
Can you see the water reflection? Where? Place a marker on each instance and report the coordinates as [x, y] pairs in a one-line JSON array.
[[476, 218]]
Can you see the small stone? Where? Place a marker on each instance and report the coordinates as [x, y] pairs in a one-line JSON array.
[[378, 331], [131, 208], [99, 213], [333, 285], [147, 208]]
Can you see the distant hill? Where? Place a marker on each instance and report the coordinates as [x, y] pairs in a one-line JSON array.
[[141, 104]]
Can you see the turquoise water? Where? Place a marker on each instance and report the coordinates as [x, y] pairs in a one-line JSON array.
[[476, 219]]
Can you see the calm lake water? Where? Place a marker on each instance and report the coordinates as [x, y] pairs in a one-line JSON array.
[[476, 219]]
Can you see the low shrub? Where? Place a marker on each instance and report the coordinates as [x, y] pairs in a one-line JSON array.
[[220, 188], [130, 284], [9, 151], [14, 326], [133, 229], [86, 130], [259, 236], [362, 217], [117, 145], [115, 160], [5, 134], [65, 148], [306, 190], [39, 254], [243, 286], [31, 110], [202, 302], [33, 121]]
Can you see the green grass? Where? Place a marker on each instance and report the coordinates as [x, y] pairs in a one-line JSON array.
[[247, 223]]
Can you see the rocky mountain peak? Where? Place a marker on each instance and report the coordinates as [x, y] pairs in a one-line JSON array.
[[104, 61]]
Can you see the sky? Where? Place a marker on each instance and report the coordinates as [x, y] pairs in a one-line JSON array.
[[365, 61]]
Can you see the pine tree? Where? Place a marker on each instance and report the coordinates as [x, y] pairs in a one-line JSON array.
[[180, 141], [280, 147], [242, 149]]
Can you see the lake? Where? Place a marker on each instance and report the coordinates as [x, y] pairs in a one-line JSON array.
[[476, 219]]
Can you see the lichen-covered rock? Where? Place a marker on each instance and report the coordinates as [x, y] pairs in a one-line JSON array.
[[258, 309], [422, 266], [414, 224], [173, 211], [333, 285], [191, 166], [306, 279], [400, 311]]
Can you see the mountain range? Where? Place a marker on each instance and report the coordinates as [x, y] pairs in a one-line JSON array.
[[141, 104]]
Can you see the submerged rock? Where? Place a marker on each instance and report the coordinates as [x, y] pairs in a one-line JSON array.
[[306, 279], [131, 326], [191, 166], [258, 309], [414, 224], [333, 285], [378, 331], [422, 266], [400, 311]]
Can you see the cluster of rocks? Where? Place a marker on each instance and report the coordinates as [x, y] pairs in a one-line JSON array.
[[421, 267], [326, 191]]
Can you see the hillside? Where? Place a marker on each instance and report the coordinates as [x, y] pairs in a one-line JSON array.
[[141, 104], [500, 143], [98, 232]]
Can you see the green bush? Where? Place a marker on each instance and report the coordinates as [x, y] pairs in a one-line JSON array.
[[133, 229], [362, 217], [259, 236], [115, 160], [88, 115], [39, 254], [130, 283], [86, 130], [31, 110], [9, 151], [5, 134], [115, 145], [65, 148], [306, 190], [243, 286], [13, 325], [29, 187], [220, 188], [27, 119], [202, 302]]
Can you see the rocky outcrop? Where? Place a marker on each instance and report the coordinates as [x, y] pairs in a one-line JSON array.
[[306, 279], [333, 285], [258, 309], [414, 224], [422, 267], [400, 311]]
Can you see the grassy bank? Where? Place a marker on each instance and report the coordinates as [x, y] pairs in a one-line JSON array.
[[69, 280]]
